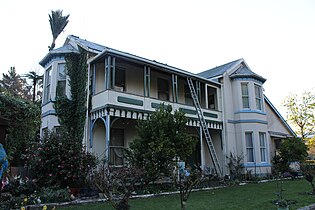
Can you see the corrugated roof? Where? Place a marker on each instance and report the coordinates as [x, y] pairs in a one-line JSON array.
[[219, 70]]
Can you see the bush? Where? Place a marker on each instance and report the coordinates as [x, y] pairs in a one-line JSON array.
[[59, 160]]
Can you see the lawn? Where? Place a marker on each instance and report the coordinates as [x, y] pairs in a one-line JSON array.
[[250, 196]]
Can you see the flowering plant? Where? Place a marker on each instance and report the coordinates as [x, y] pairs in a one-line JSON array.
[[59, 160]]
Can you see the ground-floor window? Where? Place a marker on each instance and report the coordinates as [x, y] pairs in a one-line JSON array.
[[249, 147], [263, 147], [116, 147]]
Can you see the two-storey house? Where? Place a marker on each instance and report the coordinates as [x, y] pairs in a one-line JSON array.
[[123, 88]]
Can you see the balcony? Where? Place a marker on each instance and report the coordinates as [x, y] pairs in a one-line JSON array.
[[134, 106]]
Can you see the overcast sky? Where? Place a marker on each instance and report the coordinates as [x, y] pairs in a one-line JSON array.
[[275, 37]]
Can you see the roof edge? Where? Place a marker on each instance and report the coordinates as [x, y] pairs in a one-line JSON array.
[[280, 116]]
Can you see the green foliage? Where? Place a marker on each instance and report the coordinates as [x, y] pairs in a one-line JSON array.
[[26, 192], [162, 139], [24, 123], [59, 160], [14, 84], [37, 80], [186, 179], [236, 167], [291, 150], [117, 184], [300, 112], [71, 112], [57, 23]]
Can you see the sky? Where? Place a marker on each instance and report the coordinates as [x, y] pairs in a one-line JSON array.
[[275, 37]]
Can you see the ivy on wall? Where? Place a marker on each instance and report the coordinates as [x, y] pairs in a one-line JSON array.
[[71, 111]]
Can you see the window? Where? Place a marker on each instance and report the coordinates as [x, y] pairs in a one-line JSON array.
[[258, 97], [116, 147], [188, 98], [212, 98], [245, 96], [120, 79], [47, 85], [163, 89], [45, 131], [61, 85], [263, 147], [249, 146]]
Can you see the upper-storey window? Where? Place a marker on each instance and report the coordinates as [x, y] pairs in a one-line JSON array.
[[212, 98], [245, 95], [120, 79], [61, 84], [188, 98], [258, 97], [47, 85], [163, 89]]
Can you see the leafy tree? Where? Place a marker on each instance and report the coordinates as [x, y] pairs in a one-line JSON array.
[[57, 24], [24, 122], [162, 141], [14, 84], [300, 112], [291, 150], [37, 80]]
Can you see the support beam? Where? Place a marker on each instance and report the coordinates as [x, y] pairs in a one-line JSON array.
[[107, 140], [174, 88], [113, 67], [146, 81], [94, 79]]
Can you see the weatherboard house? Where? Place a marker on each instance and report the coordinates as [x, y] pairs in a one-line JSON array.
[[226, 108]]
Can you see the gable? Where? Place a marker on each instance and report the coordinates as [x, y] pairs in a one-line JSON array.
[[277, 126]]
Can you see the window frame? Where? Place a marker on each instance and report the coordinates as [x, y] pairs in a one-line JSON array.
[[250, 148], [244, 95], [47, 95], [61, 80], [163, 91], [120, 79], [258, 98], [263, 148], [213, 94], [112, 154]]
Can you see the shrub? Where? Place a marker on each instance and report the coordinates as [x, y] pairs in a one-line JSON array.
[[59, 160]]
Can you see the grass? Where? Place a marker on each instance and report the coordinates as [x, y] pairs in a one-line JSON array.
[[250, 196]]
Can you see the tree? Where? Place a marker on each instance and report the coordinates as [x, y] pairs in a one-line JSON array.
[[57, 24], [300, 111], [291, 150], [162, 141], [36, 80], [24, 122], [15, 85], [117, 184]]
